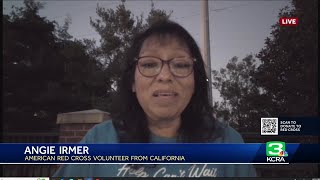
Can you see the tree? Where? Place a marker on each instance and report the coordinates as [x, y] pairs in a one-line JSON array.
[[62, 31], [117, 27], [46, 73], [243, 101], [284, 80], [156, 15], [289, 62], [28, 45]]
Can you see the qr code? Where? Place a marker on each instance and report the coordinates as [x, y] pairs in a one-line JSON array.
[[269, 126]]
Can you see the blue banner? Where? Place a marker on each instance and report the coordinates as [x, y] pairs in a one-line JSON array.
[[271, 152]]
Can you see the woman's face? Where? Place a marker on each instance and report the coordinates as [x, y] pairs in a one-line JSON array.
[[164, 96]]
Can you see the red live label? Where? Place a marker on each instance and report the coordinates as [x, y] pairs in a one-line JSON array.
[[284, 21]]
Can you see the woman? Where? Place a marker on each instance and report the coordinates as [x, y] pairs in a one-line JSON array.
[[164, 97]]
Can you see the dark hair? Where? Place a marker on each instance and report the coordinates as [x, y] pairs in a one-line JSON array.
[[197, 121]]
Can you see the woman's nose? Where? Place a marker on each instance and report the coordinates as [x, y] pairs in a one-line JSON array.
[[165, 73]]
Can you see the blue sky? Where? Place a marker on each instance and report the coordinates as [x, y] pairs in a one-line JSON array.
[[237, 28]]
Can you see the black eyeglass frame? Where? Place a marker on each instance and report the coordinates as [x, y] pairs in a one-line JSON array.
[[136, 60]]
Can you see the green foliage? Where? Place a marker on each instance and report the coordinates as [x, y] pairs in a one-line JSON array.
[[62, 32], [157, 15], [289, 62], [46, 73], [242, 99], [117, 27], [284, 80]]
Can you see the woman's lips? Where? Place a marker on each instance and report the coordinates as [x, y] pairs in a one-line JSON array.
[[165, 98], [164, 93]]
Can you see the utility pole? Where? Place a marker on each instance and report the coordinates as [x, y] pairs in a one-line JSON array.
[[206, 45]]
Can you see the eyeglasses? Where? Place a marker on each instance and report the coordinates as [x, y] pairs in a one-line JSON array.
[[150, 66]]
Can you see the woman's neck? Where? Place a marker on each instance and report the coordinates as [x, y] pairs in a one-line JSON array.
[[165, 128]]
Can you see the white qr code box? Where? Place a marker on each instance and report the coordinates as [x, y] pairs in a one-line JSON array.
[[269, 126]]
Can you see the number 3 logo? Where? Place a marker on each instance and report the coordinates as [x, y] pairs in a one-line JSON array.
[[273, 148]]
